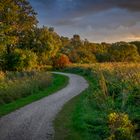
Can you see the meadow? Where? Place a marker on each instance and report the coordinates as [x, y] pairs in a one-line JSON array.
[[108, 109]]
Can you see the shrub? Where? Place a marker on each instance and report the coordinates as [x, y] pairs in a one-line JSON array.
[[120, 126], [20, 60], [60, 61]]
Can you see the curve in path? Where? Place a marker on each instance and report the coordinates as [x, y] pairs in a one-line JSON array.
[[35, 121]]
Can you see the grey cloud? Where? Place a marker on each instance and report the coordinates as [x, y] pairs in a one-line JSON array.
[[84, 7], [78, 8], [67, 22], [102, 18], [45, 3], [109, 19]]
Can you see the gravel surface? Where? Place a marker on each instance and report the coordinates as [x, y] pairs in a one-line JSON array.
[[35, 121]]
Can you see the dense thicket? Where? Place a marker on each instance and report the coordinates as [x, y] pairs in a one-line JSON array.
[[80, 51], [24, 45]]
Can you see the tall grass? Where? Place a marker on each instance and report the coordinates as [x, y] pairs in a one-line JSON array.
[[114, 94], [15, 85]]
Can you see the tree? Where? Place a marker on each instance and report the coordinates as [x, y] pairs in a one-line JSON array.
[[17, 18], [76, 41], [65, 41], [137, 44], [78, 51], [123, 52], [20, 60], [47, 44]]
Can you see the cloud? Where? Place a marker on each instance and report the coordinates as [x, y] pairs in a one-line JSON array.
[[79, 8], [46, 3], [108, 19], [133, 5], [68, 22], [101, 5], [93, 19]]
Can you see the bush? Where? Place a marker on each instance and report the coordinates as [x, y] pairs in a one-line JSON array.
[[20, 60], [60, 61], [121, 127]]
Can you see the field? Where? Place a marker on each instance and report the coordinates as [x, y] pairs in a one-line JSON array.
[[108, 109]]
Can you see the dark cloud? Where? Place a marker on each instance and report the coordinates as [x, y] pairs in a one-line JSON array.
[[78, 8], [86, 6], [103, 18], [45, 3], [132, 5], [83, 7]]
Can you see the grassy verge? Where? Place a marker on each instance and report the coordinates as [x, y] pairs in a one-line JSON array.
[[64, 123], [103, 111], [69, 123], [59, 81]]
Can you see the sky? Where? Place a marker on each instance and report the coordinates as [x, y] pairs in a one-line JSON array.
[[95, 20]]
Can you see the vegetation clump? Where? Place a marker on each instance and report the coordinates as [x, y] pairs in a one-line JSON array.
[[109, 108], [120, 127], [16, 85], [60, 61]]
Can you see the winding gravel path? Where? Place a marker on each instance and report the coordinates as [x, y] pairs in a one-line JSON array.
[[35, 121]]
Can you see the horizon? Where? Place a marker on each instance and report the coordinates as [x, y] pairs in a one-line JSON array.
[[96, 20]]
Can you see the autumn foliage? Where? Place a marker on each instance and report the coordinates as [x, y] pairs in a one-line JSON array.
[[60, 61]]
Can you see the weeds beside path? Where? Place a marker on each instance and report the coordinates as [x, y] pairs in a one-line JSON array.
[[108, 109], [35, 121], [59, 81]]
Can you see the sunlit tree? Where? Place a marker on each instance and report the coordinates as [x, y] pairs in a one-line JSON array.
[[123, 52], [16, 18]]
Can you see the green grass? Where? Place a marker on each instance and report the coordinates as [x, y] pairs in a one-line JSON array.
[[85, 117], [59, 81], [69, 123]]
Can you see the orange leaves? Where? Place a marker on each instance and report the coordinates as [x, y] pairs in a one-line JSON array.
[[61, 61]]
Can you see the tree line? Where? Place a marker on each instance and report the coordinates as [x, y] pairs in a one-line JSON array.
[[24, 45]]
